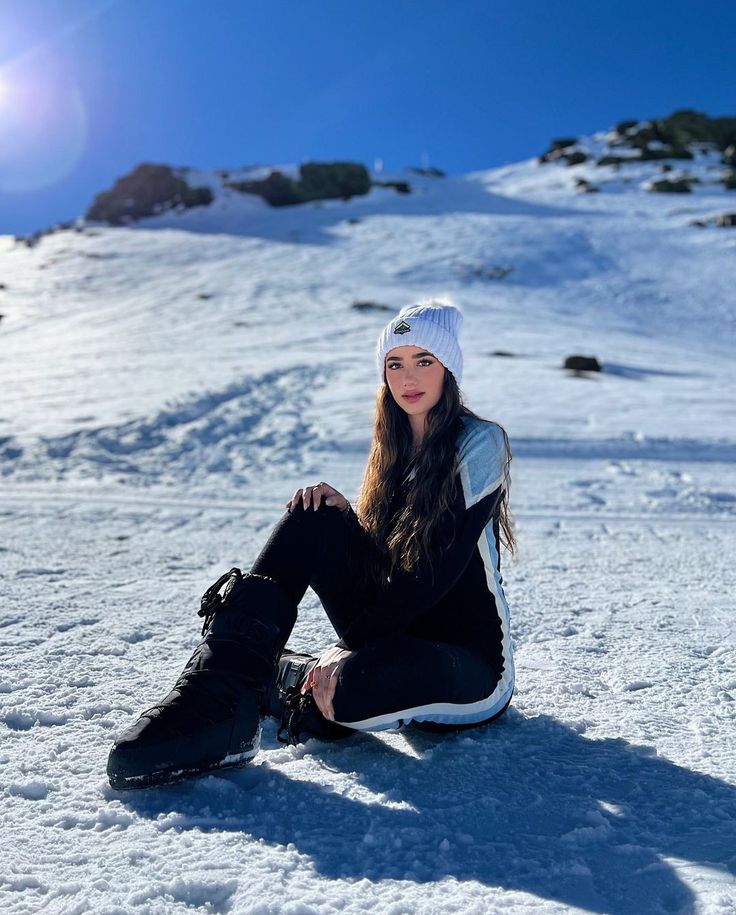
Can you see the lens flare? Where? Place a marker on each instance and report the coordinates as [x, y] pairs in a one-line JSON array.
[[43, 130]]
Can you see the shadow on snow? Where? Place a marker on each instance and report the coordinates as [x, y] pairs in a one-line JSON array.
[[524, 804]]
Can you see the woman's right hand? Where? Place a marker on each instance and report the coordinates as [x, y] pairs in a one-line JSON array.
[[311, 495], [322, 678]]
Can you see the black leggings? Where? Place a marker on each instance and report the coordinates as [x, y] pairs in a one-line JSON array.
[[390, 682]]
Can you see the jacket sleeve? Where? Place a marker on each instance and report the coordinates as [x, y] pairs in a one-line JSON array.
[[409, 595]]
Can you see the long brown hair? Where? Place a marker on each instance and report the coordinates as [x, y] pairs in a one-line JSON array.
[[421, 526]]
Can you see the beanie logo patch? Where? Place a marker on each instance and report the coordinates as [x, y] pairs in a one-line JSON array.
[[402, 327]]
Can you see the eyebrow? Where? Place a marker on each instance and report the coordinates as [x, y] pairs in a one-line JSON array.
[[399, 359]]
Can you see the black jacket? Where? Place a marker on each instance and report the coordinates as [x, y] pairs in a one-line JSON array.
[[463, 601]]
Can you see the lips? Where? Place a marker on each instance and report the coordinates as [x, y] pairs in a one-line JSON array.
[[413, 397]]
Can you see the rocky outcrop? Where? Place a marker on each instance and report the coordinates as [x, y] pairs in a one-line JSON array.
[[677, 136], [684, 136], [30, 241], [368, 305], [317, 181], [578, 363], [276, 189], [583, 185], [401, 187], [673, 185], [562, 150], [678, 131], [722, 220], [646, 155], [147, 191]]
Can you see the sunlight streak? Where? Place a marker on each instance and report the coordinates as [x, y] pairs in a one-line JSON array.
[[21, 60]]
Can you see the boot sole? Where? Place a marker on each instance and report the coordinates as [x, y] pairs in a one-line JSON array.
[[178, 774]]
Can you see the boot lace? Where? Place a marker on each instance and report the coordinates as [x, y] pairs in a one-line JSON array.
[[202, 698], [212, 601]]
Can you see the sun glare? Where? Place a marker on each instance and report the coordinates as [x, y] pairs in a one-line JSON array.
[[43, 127]]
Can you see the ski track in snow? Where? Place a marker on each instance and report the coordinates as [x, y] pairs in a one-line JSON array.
[[239, 433], [148, 442]]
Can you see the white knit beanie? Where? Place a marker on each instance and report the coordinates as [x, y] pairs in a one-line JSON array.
[[433, 325]]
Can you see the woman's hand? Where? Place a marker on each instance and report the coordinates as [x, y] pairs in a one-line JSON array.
[[312, 494], [322, 678]]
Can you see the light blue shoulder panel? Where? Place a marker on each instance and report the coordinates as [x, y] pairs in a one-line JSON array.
[[482, 455]]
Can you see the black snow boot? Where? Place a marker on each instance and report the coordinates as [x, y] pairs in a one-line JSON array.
[[298, 715], [211, 719]]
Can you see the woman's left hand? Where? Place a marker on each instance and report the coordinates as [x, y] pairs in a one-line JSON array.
[[322, 678]]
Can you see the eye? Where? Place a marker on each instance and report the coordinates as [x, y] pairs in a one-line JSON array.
[[390, 365]]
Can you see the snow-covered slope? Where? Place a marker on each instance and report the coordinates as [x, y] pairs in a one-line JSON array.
[[166, 387]]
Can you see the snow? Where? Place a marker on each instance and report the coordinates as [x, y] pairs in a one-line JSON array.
[[149, 439]]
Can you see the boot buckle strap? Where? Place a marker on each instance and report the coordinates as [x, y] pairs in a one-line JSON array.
[[293, 709]]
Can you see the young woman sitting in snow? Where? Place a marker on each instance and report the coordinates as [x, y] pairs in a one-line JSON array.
[[411, 583]]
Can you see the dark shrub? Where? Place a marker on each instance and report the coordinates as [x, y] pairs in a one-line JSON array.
[[328, 180]]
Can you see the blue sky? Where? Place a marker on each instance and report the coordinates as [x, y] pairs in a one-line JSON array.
[[90, 88]]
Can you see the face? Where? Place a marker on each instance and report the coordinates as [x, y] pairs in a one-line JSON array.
[[411, 370]]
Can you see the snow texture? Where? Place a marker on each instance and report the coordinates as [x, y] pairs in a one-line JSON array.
[[166, 388]]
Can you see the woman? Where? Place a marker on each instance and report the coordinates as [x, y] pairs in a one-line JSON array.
[[411, 584]]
